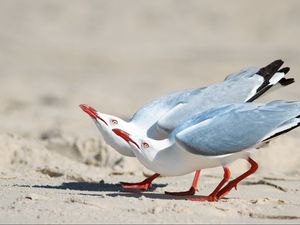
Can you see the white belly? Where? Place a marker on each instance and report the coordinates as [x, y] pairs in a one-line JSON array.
[[178, 162]]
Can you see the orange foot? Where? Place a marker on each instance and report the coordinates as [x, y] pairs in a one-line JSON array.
[[138, 186], [210, 198]]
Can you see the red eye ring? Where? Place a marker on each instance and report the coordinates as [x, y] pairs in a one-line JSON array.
[[146, 145]]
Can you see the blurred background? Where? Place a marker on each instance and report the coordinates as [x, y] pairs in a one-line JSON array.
[[117, 55]]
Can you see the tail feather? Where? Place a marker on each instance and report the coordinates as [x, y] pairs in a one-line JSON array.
[[272, 75], [284, 70], [286, 82]]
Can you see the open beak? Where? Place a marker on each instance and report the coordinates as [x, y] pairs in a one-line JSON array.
[[125, 136], [92, 112]]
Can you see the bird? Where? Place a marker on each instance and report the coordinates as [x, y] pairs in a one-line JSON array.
[[159, 117], [216, 137]]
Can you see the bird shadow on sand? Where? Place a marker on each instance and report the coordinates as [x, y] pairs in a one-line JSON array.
[[149, 195], [91, 186], [115, 190], [152, 195]]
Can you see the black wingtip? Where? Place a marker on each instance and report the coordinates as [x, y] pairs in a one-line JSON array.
[[284, 70], [270, 69], [278, 61], [285, 82]]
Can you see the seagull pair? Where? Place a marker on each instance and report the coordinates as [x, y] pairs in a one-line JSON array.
[[203, 128]]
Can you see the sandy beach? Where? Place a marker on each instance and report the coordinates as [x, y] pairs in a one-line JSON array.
[[117, 56]]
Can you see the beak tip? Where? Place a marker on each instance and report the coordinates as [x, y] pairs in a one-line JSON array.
[[92, 112], [83, 106], [89, 110]]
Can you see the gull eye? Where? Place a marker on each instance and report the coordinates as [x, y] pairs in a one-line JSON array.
[[115, 122], [145, 145]]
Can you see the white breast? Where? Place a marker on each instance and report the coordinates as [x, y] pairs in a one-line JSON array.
[[175, 161]]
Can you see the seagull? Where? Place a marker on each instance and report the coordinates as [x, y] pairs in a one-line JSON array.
[[216, 138], [159, 117]]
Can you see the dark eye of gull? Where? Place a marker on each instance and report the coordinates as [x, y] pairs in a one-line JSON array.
[[115, 122], [145, 145]]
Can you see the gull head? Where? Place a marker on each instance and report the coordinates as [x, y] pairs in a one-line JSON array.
[[103, 119], [105, 124], [140, 146]]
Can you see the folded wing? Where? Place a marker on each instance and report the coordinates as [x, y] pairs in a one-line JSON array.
[[245, 86], [237, 127]]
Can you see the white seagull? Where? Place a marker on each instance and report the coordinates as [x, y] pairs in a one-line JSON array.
[[215, 138], [159, 117]]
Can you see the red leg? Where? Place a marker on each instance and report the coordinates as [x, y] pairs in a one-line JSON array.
[[144, 185], [192, 190], [213, 195], [233, 184]]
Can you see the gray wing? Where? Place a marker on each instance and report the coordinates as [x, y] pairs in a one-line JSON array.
[[228, 92], [247, 85], [237, 127], [170, 111], [149, 114]]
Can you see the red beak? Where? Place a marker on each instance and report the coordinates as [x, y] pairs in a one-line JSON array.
[[125, 136], [92, 112]]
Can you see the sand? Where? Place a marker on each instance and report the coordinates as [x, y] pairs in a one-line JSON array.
[[116, 56]]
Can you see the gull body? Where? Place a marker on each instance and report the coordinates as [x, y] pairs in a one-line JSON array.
[[216, 137], [159, 117], [174, 160]]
